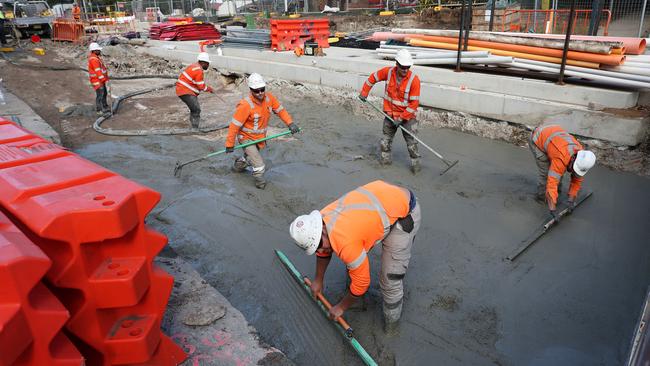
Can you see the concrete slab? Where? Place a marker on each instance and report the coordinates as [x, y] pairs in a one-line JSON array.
[[523, 101], [15, 109]]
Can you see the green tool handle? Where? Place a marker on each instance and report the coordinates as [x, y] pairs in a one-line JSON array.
[[409, 132], [241, 146], [367, 359]]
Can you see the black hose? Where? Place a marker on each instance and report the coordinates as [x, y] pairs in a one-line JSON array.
[[148, 132]]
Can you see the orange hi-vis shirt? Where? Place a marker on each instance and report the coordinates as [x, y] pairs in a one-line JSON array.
[[190, 81], [400, 101], [559, 146], [76, 12], [359, 220], [97, 71], [251, 119]]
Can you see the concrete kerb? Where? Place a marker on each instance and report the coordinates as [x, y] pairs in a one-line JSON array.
[[497, 105], [18, 111]]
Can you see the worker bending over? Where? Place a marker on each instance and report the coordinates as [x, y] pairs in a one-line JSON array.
[[401, 101], [350, 227], [557, 152], [250, 123], [98, 75], [190, 83]]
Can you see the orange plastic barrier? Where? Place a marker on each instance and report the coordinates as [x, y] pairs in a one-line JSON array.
[[67, 30], [614, 60], [31, 317], [90, 223], [289, 34]]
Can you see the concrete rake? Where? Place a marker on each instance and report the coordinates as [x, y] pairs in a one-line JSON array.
[[448, 163]]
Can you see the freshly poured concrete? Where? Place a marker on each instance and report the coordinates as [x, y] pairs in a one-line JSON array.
[[592, 112], [572, 299]]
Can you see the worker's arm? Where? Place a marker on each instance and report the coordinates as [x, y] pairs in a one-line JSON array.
[[199, 81], [236, 123], [375, 77], [359, 271], [279, 110], [555, 172], [413, 102], [322, 261], [574, 188]]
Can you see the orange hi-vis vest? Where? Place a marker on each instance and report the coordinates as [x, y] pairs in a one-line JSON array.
[[97, 71], [76, 12], [359, 220], [251, 119], [190, 81], [559, 146], [400, 101]]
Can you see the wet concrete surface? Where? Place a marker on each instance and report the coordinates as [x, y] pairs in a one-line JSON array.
[[572, 299]]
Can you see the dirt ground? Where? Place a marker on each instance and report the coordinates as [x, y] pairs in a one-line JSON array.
[[572, 299]]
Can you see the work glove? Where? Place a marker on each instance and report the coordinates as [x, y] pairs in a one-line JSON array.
[[555, 216], [294, 128], [362, 98], [229, 150], [572, 206]]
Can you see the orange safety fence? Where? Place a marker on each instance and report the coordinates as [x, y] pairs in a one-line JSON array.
[[551, 21], [289, 34], [90, 223], [67, 30], [31, 317]]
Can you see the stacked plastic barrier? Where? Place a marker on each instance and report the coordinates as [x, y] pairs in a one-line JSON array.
[[90, 223], [288, 34], [31, 317], [67, 30]]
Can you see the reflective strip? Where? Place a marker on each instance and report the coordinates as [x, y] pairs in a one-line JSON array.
[[250, 102], [390, 74], [199, 82], [335, 213], [554, 174], [561, 134], [188, 77], [98, 83], [256, 120], [395, 102], [100, 77], [93, 75], [369, 84], [408, 109], [280, 108], [415, 98], [357, 262], [196, 68], [267, 99], [236, 122], [259, 169], [376, 75], [536, 133], [380, 209], [249, 130], [188, 86], [98, 69], [407, 91]]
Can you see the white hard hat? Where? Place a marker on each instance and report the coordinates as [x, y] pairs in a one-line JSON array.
[[404, 58], [203, 56], [256, 81], [306, 230], [585, 160], [94, 47]]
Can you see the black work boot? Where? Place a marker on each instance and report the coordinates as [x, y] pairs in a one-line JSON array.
[[240, 165], [260, 182]]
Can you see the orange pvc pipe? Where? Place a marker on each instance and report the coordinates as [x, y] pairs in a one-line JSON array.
[[618, 51], [528, 56], [328, 306], [613, 60]]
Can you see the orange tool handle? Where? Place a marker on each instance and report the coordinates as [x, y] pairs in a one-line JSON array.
[[328, 306]]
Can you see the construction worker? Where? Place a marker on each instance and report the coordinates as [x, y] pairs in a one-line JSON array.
[[401, 101], [249, 123], [3, 38], [98, 75], [190, 83], [557, 152], [76, 12], [350, 227]]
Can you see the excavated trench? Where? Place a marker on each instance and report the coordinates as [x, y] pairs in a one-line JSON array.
[[572, 299]]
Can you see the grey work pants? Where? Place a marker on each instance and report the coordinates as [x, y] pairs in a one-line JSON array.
[[192, 102], [395, 257], [543, 165], [3, 38], [101, 94], [389, 131]]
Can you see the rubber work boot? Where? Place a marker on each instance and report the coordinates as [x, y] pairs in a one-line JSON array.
[[392, 314], [385, 158], [240, 165], [415, 166], [260, 182]]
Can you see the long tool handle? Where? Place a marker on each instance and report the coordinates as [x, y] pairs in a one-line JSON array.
[[328, 306], [240, 146], [353, 341], [410, 133]]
